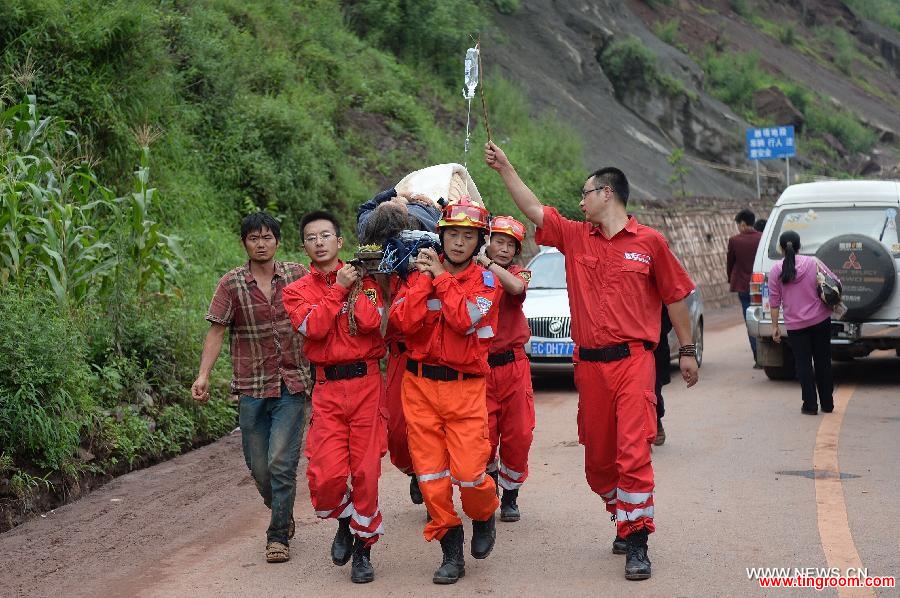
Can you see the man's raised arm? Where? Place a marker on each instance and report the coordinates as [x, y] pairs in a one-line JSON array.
[[524, 197]]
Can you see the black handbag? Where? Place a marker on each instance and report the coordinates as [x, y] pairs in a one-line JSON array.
[[829, 287]]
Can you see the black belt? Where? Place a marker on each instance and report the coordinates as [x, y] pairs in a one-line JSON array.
[[441, 373], [501, 358], [610, 353], [343, 371], [401, 346]]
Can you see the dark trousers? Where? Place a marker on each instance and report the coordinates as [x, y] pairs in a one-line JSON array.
[[660, 402], [745, 303], [812, 354]]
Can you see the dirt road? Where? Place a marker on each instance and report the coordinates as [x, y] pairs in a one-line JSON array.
[[735, 489]]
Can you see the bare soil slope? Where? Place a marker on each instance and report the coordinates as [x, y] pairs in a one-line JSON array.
[[551, 48]]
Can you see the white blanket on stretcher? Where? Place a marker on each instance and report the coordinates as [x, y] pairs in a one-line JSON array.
[[448, 181]]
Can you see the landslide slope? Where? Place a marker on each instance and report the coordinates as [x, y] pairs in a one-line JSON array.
[[841, 69]]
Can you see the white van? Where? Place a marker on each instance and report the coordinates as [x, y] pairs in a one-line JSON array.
[[852, 227]]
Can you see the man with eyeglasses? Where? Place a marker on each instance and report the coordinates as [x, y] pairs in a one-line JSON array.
[[267, 362], [618, 273], [339, 311]]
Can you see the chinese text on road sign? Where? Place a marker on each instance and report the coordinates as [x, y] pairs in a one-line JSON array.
[[770, 143]]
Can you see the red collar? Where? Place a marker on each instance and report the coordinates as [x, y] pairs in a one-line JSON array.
[[631, 226], [328, 278]]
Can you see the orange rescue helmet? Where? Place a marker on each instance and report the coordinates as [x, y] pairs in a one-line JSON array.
[[508, 226], [464, 213]]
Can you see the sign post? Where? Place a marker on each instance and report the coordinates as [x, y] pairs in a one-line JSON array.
[[770, 143]]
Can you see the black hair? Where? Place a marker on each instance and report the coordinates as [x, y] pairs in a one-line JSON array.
[[258, 221], [760, 224], [616, 180], [789, 241], [388, 220], [320, 215], [745, 216]]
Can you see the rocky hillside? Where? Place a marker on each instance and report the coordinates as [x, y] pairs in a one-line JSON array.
[[643, 79]]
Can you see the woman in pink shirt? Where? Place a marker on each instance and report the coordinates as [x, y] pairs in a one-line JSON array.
[[793, 286]]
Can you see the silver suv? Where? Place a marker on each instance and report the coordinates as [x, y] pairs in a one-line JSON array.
[[852, 227]]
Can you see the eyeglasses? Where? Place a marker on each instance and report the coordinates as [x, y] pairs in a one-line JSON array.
[[325, 237], [584, 193]]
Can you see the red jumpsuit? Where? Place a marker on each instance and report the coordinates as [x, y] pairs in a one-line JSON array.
[[510, 397], [347, 433], [398, 444], [615, 289], [448, 323]]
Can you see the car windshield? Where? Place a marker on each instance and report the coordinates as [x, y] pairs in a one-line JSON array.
[[548, 271], [815, 227]]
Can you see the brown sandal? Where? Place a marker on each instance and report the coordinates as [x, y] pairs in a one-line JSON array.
[[276, 552]]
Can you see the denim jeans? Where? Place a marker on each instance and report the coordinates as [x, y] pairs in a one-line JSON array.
[[270, 433], [745, 303]]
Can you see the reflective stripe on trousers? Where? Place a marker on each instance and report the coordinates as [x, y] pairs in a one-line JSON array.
[[447, 428], [616, 423]]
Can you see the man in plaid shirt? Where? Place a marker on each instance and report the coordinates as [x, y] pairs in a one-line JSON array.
[[267, 362]]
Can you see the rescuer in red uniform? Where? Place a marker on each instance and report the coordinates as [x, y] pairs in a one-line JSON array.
[[618, 274], [510, 397], [340, 318], [447, 314], [398, 443]]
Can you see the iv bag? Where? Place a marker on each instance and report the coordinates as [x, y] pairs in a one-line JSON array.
[[471, 73]]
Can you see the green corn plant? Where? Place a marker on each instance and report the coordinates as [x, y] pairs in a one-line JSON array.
[[155, 255], [71, 253], [47, 215]]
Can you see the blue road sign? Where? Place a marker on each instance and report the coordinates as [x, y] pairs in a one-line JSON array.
[[770, 143]]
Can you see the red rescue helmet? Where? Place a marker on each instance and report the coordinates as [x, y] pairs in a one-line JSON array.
[[508, 226], [464, 213]]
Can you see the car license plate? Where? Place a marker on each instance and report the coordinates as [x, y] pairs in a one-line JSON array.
[[552, 349]]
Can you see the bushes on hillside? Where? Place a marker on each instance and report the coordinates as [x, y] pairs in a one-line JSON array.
[[45, 403], [274, 105], [734, 78], [432, 34], [632, 68], [89, 371]]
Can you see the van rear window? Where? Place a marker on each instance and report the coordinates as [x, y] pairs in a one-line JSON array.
[[815, 227]]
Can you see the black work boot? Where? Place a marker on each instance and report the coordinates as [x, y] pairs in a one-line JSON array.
[[619, 545], [483, 535], [415, 493], [342, 547], [453, 566], [509, 510], [361, 571], [637, 563]]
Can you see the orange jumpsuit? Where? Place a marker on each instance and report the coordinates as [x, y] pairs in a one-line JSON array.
[[348, 429], [510, 397], [448, 323]]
